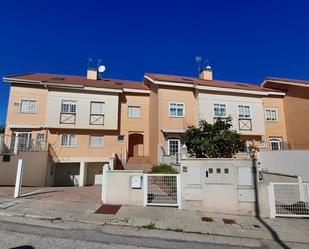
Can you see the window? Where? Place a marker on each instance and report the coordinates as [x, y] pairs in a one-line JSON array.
[[226, 171], [177, 109], [173, 148], [28, 106], [218, 171], [97, 108], [96, 113], [40, 136], [210, 170], [120, 137], [96, 141], [68, 106], [220, 110], [134, 112], [275, 144], [67, 140], [244, 111], [271, 115]]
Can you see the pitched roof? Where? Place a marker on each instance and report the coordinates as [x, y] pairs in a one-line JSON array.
[[306, 82], [211, 83], [75, 80]]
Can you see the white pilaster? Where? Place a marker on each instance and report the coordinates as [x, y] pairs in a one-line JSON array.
[[82, 174]]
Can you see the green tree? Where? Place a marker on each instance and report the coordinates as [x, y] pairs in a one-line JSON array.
[[213, 140]]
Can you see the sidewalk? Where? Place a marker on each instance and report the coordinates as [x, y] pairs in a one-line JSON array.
[[289, 230]]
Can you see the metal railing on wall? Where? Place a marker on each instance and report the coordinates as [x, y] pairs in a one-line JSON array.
[[13, 144]]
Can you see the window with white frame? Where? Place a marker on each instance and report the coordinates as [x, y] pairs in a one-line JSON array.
[[220, 110], [244, 111], [271, 115], [40, 136], [176, 109], [97, 108], [68, 106], [134, 111], [96, 141], [275, 144], [67, 140], [28, 106]]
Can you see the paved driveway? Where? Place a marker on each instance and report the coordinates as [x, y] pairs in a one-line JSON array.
[[91, 194]]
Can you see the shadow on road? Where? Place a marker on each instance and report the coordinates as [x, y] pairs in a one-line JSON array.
[[257, 207], [23, 247]]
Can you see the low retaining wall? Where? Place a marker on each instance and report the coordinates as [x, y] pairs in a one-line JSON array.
[[117, 187], [289, 162], [36, 169]]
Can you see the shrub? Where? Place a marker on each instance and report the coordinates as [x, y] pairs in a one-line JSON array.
[[164, 169]]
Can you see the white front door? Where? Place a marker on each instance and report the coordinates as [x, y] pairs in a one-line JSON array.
[[173, 148]]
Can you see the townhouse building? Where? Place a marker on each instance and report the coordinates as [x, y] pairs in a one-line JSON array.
[[85, 122], [295, 106], [181, 101]]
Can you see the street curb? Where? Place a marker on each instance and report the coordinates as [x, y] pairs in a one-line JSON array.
[[53, 218]]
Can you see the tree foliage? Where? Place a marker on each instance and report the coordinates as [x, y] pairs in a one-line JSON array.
[[213, 140]]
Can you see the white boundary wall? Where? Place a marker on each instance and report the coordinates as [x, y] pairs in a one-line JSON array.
[[116, 187], [231, 191], [288, 162]]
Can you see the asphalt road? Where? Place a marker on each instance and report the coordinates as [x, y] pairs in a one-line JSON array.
[[23, 232]]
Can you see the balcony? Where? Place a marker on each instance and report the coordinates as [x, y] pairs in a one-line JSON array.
[[96, 119], [245, 124], [67, 118]]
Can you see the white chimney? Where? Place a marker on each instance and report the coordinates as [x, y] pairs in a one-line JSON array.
[[206, 73], [92, 73]]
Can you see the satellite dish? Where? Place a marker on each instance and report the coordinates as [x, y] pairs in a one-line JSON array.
[[101, 69]]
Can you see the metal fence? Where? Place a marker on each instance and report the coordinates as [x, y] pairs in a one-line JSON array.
[[289, 199], [162, 190], [12, 144]]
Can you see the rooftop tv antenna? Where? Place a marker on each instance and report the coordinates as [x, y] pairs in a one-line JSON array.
[[201, 63]]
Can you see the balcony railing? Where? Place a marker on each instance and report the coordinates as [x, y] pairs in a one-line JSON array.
[[245, 124], [11, 144], [67, 118], [96, 119]]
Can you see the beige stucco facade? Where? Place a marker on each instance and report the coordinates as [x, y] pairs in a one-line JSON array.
[[296, 109], [207, 100], [15, 118], [274, 129]]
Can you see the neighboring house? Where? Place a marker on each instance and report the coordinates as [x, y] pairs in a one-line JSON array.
[[296, 109], [179, 101], [84, 120]]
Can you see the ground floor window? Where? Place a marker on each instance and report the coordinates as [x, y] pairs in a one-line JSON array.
[[67, 140], [275, 144]]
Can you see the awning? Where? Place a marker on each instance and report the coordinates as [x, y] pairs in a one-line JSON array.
[[27, 126], [171, 130]]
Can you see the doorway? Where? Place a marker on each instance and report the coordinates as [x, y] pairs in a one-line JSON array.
[[136, 145]]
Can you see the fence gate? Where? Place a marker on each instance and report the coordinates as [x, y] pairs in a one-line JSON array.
[[289, 199], [162, 190]]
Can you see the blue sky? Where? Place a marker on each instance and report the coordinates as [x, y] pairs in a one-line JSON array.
[[243, 40]]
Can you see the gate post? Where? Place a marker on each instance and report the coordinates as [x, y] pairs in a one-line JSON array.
[[301, 189], [19, 178], [145, 187], [272, 202], [178, 191]]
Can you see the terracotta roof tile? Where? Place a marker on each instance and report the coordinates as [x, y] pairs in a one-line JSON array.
[[211, 83], [306, 82], [80, 80]]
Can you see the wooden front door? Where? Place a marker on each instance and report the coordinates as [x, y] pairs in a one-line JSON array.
[[136, 142]]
